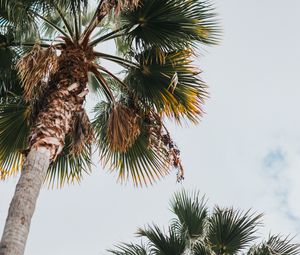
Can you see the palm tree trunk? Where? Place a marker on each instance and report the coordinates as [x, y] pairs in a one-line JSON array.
[[46, 140], [24, 200]]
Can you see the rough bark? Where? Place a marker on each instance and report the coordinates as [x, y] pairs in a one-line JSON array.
[[54, 120], [23, 203]]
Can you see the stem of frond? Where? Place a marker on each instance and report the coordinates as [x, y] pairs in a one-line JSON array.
[[76, 24], [50, 23], [98, 16], [107, 91], [118, 60], [108, 36], [113, 76], [64, 20]]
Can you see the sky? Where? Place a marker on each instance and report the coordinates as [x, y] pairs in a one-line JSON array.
[[245, 152]]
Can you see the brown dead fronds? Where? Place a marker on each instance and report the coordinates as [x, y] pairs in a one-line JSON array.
[[123, 128], [35, 69], [82, 132]]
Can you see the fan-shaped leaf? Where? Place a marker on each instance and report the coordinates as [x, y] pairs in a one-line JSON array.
[[169, 83], [170, 24]]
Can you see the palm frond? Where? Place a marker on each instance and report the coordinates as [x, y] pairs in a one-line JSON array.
[[142, 162], [171, 24], [201, 248], [129, 249], [161, 243], [230, 231], [35, 69], [169, 83], [122, 128], [192, 214], [14, 130], [276, 245]]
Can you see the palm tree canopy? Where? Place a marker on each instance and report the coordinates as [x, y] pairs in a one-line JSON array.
[[155, 40], [196, 231]]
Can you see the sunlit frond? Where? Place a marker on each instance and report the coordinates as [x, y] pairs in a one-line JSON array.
[[169, 83], [14, 130]]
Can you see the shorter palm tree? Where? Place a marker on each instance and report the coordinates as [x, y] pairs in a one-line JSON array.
[[195, 231]]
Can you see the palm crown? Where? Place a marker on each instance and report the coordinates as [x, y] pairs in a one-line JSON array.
[[52, 42], [196, 231]]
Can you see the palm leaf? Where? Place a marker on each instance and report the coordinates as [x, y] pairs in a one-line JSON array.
[[230, 231], [14, 130], [129, 249], [141, 162], [201, 248], [192, 213], [163, 244], [169, 83], [170, 24], [276, 245]]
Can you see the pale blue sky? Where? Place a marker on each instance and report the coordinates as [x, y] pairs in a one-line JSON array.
[[252, 117]]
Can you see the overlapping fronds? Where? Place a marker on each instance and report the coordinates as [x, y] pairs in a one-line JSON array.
[[14, 130], [161, 243], [169, 83], [222, 232], [35, 69], [143, 162], [156, 39], [192, 214], [171, 24], [231, 231]]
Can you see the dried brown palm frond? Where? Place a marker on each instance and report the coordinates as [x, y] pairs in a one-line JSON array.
[[161, 141], [35, 69], [123, 128], [82, 132], [121, 4]]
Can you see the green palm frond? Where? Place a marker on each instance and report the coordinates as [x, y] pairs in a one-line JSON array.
[[68, 167], [141, 162], [14, 130], [129, 249], [201, 248], [230, 230], [276, 245], [170, 24], [161, 243], [169, 83], [192, 214]]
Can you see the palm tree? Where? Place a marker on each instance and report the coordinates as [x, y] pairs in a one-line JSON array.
[[196, 231], [50, 61]]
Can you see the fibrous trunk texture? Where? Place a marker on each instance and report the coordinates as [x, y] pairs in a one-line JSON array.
[[23, 203], [54, 120]]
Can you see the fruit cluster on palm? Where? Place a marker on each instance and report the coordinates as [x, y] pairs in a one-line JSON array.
[[196, 231], [49, 63]]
